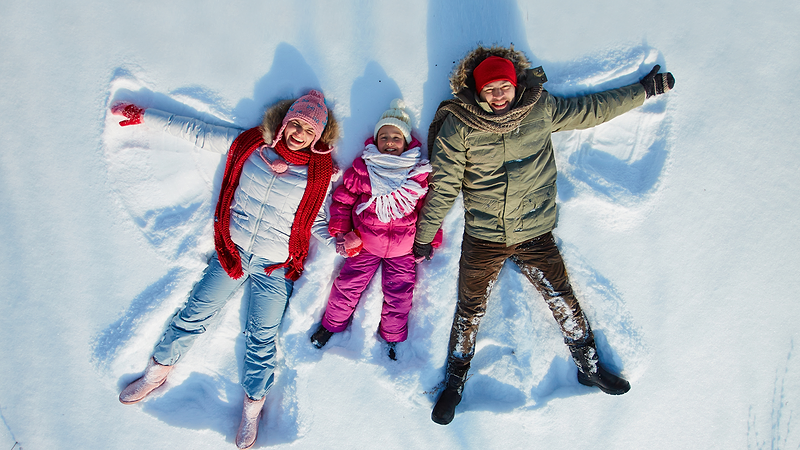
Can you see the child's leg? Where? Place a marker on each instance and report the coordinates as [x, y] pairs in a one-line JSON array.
[[208, 296], [269, 295], [354, 277], [399, 276]]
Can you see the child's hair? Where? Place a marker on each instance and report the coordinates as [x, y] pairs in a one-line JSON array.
[[397, 117]]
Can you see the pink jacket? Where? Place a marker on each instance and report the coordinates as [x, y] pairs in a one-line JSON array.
[[386, 240]]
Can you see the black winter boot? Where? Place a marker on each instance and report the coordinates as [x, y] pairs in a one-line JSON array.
[[445, 408], [321, 336], [592, 373]]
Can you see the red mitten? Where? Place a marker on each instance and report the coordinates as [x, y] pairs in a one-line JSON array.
[[352, 244], [132, 113]]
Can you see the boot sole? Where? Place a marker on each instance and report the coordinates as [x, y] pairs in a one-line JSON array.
[[441, 421]]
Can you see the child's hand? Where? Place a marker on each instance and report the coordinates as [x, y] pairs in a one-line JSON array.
[[348, 245], [133, 113], [352, 244]]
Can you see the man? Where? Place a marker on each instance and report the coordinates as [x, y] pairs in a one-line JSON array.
[[492, 143]]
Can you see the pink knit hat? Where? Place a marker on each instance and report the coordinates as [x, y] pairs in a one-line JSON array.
[[311, 109]]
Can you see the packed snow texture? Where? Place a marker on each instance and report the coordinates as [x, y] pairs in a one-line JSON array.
[[672, 218]]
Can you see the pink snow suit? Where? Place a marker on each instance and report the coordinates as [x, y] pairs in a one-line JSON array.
[[387, 228]]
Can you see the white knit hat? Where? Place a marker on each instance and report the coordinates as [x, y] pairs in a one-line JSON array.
[[395, 116]]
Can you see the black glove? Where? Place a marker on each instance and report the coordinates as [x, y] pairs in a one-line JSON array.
[[657, 83], [422, 251]]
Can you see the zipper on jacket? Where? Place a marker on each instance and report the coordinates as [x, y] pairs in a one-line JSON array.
[[389, 236], [260, 217]]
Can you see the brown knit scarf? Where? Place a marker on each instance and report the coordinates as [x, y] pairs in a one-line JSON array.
[[474, 116]]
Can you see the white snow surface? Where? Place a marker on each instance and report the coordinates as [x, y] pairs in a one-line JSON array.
[[679, 224]]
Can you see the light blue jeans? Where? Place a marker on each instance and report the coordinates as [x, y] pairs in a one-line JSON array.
[[269, 295]]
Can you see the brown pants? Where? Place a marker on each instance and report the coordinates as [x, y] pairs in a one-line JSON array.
[[481, 261]]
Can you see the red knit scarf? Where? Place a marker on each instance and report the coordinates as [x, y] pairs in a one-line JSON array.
[[320, 169]]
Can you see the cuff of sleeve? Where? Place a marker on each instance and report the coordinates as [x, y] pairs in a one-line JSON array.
[[339, 226]]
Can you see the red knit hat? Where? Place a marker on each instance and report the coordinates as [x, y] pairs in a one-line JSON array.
[[494, 68]]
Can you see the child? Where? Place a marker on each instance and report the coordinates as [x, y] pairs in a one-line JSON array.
[[376, 207], [276, 180]]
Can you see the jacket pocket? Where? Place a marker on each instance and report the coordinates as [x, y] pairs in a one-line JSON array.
[[538, 207], [482, 212]]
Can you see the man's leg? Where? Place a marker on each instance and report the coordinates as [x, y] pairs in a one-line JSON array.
[[479, 267], [540, 260]]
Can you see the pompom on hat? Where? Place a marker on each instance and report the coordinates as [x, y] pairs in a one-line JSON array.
[[397, 117], [494, 68], [311, 109]]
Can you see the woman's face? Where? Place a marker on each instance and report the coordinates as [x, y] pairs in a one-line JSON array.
[[298, 134], [391, 141], [499, 94]]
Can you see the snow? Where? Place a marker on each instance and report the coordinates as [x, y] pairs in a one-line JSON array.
[[678, 223]]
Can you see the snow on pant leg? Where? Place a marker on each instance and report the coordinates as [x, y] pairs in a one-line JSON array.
[[541, 262], [208, 296], [399, 276], [479, 267], [269, 295], [347, 288]]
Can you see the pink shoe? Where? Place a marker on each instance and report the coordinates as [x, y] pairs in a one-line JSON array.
[[248, 428], [154, 376]]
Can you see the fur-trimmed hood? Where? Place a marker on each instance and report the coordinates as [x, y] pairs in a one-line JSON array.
[[462, 80], [273, 117]]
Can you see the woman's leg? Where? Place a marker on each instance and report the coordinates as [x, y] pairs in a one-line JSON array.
[[208, 296], [269, 295], [399, 276], [346, 291]]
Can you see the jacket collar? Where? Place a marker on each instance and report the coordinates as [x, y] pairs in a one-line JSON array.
[[533, 77]]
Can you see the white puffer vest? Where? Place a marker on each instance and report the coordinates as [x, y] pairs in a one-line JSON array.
[[265, 203]]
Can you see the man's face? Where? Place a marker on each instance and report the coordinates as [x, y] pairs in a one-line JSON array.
[[499, 95]]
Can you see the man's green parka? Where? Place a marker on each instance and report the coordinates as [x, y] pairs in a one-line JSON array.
[[508, 180]]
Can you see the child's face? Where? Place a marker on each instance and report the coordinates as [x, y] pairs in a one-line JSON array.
[[391, 141], [298, 134], [499, 94]]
